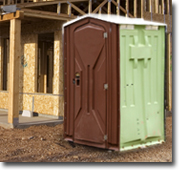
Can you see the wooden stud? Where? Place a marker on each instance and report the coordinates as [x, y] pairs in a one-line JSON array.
[[162, 4], [156, 6], [169, 74], [135, 8], [160, 8], [118, 7], [4, 2], [77, 9], [45, 68], [45, 3], [8, 50], [127, 8], [90, 6], [109, 7], [150, 5], [142, 8], [100, 10], [100, 6], [1, 62], [59, 8], [15, 52], [69, 9], [167, 4], [122, 9], [8, 2]]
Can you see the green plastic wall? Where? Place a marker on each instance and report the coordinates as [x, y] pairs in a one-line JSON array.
[[142, 58]]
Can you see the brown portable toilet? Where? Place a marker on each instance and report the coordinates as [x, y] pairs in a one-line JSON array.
[[114, 98]]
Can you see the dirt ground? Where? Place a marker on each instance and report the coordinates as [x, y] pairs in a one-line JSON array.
[[46, 144]]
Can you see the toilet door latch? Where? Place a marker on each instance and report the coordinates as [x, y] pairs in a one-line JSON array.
[[105, 86]]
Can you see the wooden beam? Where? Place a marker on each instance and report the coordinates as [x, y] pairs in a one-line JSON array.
[[36, 4], [156, 6], [10, 16], [127, 8], [135, 8], [100, 6], [1, 62], [90, 6], [109, 7], [118, 7], [162, 4], [69, 10], [59, 8], [160, 8], [4, 2], [46, 15], [142, 8], [167, 4], [100, 10], [77, 9], [15, 52], [122, 9], [150, 5]]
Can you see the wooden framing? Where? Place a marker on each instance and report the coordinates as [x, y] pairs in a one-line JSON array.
[[15, 47], [109, 6], [142, 8], [46, 15], [16, 15], [65, 10], [118, 7], [1, 62], [135, 8], [90, 6], [127, 8], [156, 6]]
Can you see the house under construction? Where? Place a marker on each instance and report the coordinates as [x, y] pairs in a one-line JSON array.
[[31, 51]]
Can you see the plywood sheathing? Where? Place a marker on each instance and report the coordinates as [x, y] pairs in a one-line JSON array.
[[15, 47], [4, 100], [46, 26], [28, 63], [160, 18], [58, 73], [1, 63]]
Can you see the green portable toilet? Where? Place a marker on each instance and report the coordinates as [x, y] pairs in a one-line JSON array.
[[114, 70]]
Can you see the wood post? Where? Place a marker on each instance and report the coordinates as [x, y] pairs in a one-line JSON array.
[[59, 8], [15, 51], [109, 7], [142, 8], [127, 8], [118, 8], [135, 8], [169, 73], [162, 5], [90, 6], [100, 10], [156, 6], [69, 9], [150, 5], [1, 62], [167, 4]]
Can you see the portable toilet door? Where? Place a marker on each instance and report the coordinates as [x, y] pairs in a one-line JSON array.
[[91, 83], [114, 82]]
